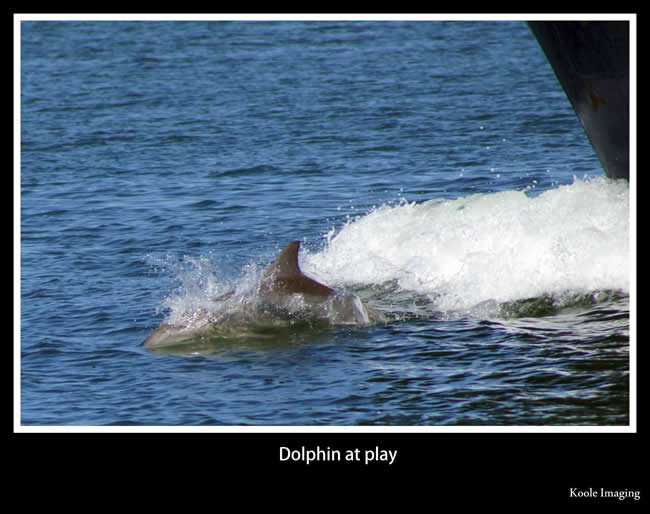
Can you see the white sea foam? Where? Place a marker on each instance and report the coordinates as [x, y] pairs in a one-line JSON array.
[[489, 246]]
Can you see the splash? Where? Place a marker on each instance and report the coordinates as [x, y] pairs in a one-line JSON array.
[[257, 307], [199, 281], [486, 255], [488, 247]]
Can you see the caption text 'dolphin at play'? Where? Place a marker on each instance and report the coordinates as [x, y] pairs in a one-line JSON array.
[[318, 454]]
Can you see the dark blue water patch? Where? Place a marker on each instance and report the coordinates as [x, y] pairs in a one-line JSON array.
[[253, 171]]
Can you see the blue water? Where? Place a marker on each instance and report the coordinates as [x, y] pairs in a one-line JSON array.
[[436, 169]]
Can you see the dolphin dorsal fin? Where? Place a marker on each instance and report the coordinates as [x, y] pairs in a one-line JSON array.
[[286, 264], [284, 276]]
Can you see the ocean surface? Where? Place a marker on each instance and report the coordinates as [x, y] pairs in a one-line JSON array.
[[434, 169]]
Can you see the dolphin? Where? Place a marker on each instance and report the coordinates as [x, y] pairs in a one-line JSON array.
[[284, 292]]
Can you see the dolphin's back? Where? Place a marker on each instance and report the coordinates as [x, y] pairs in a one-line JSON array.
[[283, 291]]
